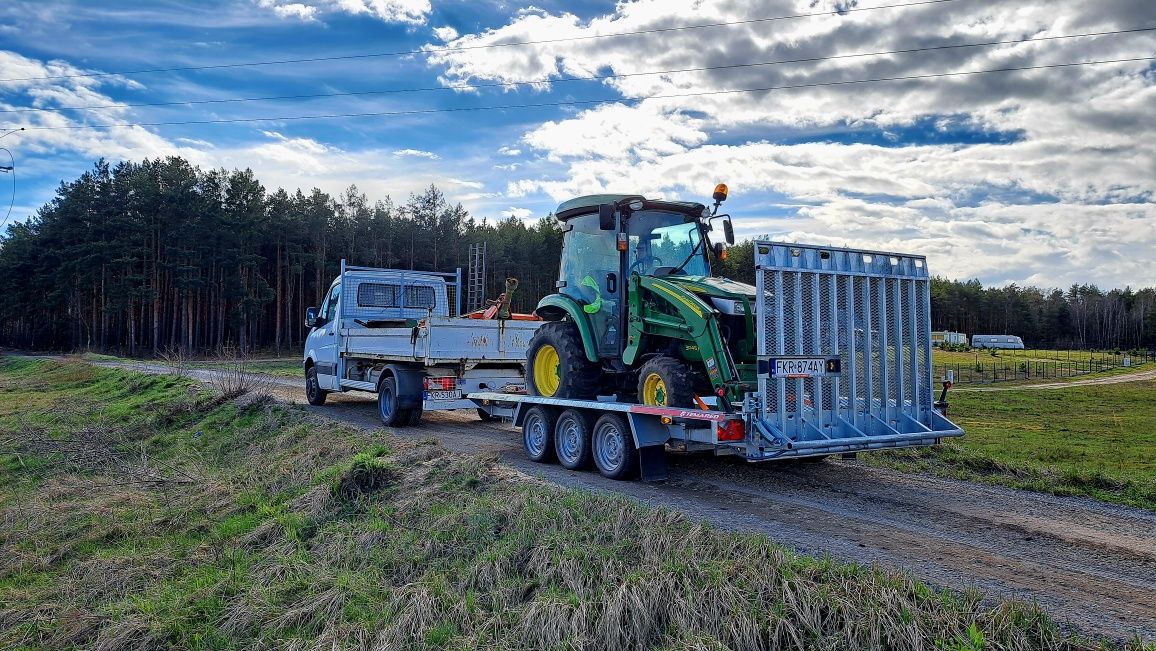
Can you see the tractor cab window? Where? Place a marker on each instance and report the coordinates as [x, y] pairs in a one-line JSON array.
[[664, 243]]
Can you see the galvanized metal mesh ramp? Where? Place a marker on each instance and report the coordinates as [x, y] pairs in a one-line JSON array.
[[844, 352]]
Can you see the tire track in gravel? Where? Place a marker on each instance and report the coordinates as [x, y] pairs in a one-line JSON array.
[[1091, 565], [1111, 379]]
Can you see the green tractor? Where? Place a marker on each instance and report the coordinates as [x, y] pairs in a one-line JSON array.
[[638, 313]]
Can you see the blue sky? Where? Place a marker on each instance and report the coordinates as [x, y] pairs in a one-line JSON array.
[[1043, 176]]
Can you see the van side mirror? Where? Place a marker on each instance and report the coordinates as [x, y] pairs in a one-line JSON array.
[[311, 317], [729, 231], [606, 219]]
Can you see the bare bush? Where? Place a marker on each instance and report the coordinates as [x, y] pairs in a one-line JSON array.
[[232, 376], [176, 360]]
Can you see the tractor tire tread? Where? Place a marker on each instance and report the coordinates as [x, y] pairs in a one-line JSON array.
[[676, 374], [580, 378]]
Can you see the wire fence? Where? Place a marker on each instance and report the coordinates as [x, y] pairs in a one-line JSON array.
[[986, 371]]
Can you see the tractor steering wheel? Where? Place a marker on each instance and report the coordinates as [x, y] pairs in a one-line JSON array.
[[645, 259]]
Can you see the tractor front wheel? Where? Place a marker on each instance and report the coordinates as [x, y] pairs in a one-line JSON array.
[[666, 382], [556, 364]]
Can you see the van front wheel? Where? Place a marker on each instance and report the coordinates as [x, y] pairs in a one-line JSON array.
[[313, 391]]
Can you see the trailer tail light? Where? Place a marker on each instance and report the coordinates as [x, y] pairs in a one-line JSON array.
[[731, 430], [448, 383]]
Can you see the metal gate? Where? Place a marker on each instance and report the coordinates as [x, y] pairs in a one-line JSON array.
[[844, 352]]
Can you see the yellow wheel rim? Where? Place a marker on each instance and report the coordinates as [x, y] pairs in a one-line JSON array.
[[547, 371], [653, 390]]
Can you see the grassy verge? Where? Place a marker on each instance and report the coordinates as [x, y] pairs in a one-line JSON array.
[[151, 513], [940, 356], [1096, 440], [277, 367], [287, 368]]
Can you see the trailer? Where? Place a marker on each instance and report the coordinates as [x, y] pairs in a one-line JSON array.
[[941, 338], [843, 366], [1010, 342], [399, 334]]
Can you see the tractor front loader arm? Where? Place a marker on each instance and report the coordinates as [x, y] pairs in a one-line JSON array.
[[688, 318]]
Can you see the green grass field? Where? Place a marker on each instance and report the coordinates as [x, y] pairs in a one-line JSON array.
[[939, 356], [290, 368], [146, 512], [1095, 440]]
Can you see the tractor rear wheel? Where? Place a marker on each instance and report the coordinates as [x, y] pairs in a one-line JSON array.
[[556, 364], [666, 382]]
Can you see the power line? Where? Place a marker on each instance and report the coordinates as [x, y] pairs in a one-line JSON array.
[[510, 84], [585, 102], [464, 48]]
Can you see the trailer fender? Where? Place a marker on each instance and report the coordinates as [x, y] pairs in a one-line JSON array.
[[647, 430], [555, 307], [409, 385]]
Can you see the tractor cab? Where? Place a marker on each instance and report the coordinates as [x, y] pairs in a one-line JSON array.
[[600, 253]]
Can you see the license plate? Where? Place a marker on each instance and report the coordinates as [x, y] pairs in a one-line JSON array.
[[444, 395], [802, 367]]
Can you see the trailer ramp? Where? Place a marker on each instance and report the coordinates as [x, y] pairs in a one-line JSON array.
[[844, 345]]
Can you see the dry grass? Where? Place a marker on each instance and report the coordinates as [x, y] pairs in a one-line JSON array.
[[306, 535]]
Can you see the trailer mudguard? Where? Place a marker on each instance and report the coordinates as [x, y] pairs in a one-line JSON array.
[[555, 307], [409, 385]]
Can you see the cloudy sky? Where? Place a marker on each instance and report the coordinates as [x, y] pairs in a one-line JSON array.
[[1043, 175]]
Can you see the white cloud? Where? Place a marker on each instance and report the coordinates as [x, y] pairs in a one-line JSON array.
[[518, 213], [52, 148], [414, 153], [284, 9], [473, 185], [296, 10], [413, 12], [510, 151], [1061, 193], [445, 33]]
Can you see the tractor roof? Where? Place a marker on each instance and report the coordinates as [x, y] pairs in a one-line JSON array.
[[589, 204]]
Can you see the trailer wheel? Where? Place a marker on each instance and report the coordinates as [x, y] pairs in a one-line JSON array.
[[313, 391], [556, 364], [572, 440], [392, 415], [666, 382], [538, 434], [613, 448]]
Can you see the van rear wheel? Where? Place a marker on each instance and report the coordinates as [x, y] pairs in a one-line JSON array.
[[389, 407]]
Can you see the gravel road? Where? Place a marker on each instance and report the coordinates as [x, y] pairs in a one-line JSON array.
[[1111, 379], [1091, 565]]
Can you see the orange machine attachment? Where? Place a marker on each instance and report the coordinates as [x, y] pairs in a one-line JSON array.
[[500, 307]]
